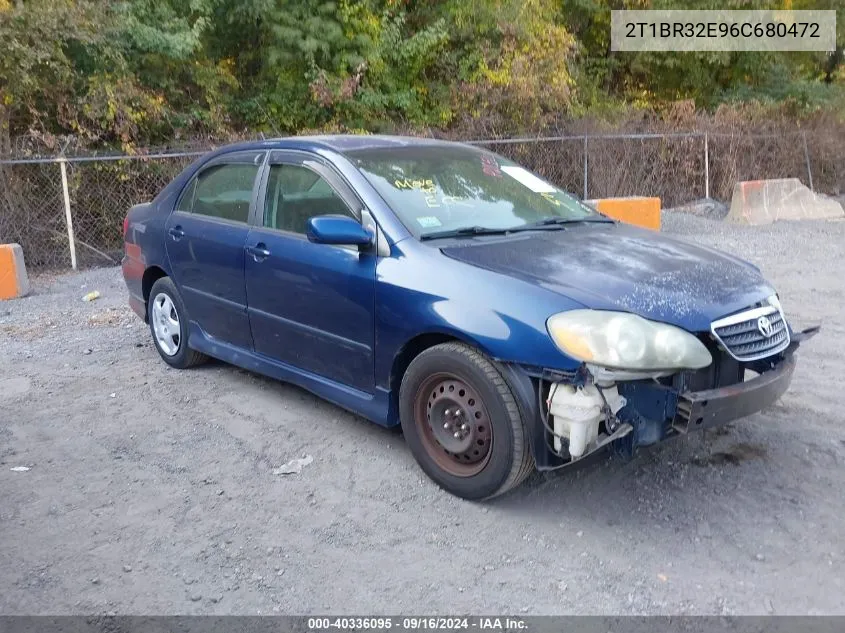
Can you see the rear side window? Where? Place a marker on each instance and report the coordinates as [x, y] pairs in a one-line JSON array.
[[222, 191], [295, 194], [186, 201]]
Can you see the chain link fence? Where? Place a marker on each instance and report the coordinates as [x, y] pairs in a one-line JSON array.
[[669, 166], [68, 212], [677, 167]]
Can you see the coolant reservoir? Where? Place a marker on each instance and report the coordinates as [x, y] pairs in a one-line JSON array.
[[577, 411]]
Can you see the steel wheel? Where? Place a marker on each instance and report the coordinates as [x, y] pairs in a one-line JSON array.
[[463, 423], [454, 425], [165, 321]]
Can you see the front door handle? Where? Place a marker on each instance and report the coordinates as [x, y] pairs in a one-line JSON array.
[[176, 233], [259, 252]]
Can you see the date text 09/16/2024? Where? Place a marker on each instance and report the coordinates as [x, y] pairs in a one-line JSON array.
[[417, 623]]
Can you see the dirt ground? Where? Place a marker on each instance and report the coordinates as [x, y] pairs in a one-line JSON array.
[[151, 491]]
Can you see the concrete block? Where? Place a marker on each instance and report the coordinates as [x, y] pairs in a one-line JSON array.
[[758, 202]]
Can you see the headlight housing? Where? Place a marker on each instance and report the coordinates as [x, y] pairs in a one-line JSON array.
[[620, 340]]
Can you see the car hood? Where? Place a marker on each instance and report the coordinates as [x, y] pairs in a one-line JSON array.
[[613, 266]]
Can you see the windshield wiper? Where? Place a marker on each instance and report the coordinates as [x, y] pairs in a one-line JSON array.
[[551, 223], [464, 230], [556, 221]]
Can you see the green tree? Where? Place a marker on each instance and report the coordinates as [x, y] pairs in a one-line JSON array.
[[651, 79], [43, 41], [140, 72]]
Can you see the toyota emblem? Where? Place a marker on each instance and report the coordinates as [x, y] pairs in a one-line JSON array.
[[765, 326]]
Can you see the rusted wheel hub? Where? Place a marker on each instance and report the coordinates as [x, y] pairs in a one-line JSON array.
[[454, 425]]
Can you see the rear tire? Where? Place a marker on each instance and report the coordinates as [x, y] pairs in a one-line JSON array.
[[169, 326], [462, 424]]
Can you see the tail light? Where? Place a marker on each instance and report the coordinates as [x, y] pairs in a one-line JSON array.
[[125, 226]]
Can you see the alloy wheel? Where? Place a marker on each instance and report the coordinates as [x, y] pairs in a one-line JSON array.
[[166, 326]]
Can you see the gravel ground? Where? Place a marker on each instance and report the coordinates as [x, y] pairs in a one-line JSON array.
[[151, 490]]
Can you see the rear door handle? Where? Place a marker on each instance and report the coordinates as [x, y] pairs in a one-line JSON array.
[[176, 233], [259, 252]]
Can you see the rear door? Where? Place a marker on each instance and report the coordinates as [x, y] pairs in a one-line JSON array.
[[205, 237], [310, 305]]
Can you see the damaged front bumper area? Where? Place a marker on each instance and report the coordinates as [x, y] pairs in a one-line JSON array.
[[631, 413], [698, 410]]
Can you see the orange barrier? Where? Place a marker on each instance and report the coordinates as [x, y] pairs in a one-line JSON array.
[[13, 279], [643, 212]]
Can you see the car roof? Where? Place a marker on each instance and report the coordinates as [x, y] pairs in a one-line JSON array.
[[351, 142], [341, 143]]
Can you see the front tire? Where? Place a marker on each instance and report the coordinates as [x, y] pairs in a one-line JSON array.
[[169, 326], [462, 424]]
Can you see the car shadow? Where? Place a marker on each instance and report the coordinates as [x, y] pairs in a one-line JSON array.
[[674, 485], [667, 482], [290, 393]]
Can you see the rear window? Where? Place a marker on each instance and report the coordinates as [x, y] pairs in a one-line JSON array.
[[222, 191]]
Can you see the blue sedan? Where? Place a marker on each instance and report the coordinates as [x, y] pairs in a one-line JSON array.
[[505, 325]]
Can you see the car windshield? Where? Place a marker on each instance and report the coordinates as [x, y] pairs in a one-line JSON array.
[[435, 189]]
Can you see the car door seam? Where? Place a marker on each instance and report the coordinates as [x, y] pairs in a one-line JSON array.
[[312, 329]]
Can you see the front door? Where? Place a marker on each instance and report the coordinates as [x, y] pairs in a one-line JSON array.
[[205, 237], [310, 305]]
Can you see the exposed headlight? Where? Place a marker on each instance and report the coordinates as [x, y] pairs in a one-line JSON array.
[[626, 341]]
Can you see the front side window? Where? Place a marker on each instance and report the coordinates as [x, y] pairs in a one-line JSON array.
[[295, 194], [221, 191], [436, 188]]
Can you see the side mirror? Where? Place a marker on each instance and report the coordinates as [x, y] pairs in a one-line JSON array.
[[338, 229]]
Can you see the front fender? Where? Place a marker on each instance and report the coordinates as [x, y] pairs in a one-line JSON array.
[[420, 291], [504, 338]]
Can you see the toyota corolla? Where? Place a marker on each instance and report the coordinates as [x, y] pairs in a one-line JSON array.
[[505, 325]]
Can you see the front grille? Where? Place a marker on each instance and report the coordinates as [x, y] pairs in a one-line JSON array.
[[743, 336]]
